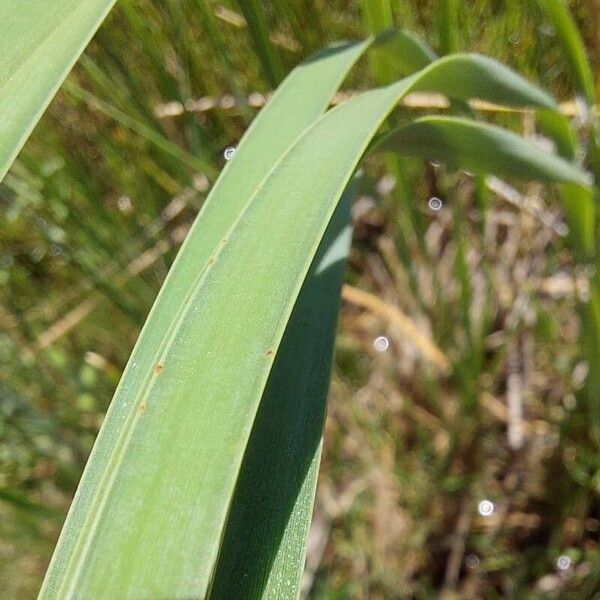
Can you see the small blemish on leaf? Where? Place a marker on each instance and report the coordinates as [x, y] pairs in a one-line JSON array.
[[142, 407], [269, 352], [158, 369]]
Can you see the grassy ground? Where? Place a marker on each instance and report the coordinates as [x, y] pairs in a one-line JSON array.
[[98, 202]]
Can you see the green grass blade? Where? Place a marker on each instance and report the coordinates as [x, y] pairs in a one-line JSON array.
[[259, 31], [556, 126], [590, 334], [448, 26], [300, 99], [20, 501], [217, 42], [148, 133], [377, 17], [39, 43], [580, 211], [177, 430], [482, 149], [293, 15], [578, 203], [557, 13], [272, 506]]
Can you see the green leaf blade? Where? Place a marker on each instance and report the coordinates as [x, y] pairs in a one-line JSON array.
[[448, 26], [259, 32], [178, 429], [466, 75], [557, 12], [299, 100], [406, 52], [482, 149], [264, 543], [39, 43]]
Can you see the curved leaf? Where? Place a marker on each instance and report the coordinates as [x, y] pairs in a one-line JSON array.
[[304, 94], [179, 425], [407, 52], [481, 148], [467, 75]]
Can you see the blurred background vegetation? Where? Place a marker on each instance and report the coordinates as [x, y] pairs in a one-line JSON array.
[[95, 207]]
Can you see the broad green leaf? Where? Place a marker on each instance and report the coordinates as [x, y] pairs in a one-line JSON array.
[[272, 506], [557, 12], [304, 94], [39, 43], [178, 428], [481, 148]]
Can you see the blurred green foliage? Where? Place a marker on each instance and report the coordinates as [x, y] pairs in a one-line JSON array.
[[97, 203]]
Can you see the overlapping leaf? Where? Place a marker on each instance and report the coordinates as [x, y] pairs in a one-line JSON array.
[[303, 95], [178, 428]]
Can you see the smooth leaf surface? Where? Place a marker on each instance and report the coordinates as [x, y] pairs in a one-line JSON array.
[[556, 127], [466, 75], [580, 208], [178, 428], [482, 149], [272, 506], [303, 95], [39, 43]]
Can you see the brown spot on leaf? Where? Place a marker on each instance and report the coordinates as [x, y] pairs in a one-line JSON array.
[[158, 369], [142, 407], [269, 352]]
